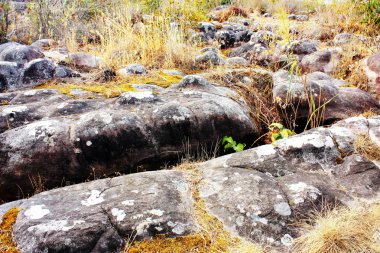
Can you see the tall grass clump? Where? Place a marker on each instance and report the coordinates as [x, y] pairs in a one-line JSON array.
[[272, 6], [343, 230], [156, 43]]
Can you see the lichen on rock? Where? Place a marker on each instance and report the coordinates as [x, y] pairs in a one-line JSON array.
[[7, 245]]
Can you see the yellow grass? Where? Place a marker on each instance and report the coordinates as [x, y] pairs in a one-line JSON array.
[[343, 230]]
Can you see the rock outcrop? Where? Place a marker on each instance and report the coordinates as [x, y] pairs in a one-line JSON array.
[[53, 136], [258, 194]]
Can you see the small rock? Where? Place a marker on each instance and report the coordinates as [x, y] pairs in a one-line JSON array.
[[132, 69], [210, 57], [84, 61]]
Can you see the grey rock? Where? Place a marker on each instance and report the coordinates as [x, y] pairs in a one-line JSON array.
[[326, 60], [344, 38], [106, 136], [372, 69], [83, 61], [298, 17], [338, 102], [37, 71], [244, 191], [237, 61], [20, 53], [10, 73], [100, 216], [210, 57], [133, 69], [44, 44]]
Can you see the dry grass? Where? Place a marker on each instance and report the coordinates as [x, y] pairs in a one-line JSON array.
[[344, 16], [257, 92], [295, 6], [343, 230], [364, 146], [225, 14], [156, 44]]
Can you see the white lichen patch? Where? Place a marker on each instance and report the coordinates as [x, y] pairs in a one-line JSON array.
[[179, 229], [55, 225], [255, 218], [62, 105], [30, 93], [283, 209], [287, 240], [156, 212], [128, 202], [36, 212], [96, 197], [119, 214], [265, 150], [139, 95], [300, 141], [14, 109], [301, 191]]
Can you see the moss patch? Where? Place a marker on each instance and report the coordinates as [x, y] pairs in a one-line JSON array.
[[108, 90], [115, 89], [7, 244], [212, 237]]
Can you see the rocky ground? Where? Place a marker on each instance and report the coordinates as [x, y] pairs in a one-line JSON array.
[[86, 159]]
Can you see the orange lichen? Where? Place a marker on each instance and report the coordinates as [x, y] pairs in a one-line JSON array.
[[7, 245]]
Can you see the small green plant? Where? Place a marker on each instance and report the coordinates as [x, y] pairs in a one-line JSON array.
[[278, 132], [229, 143]]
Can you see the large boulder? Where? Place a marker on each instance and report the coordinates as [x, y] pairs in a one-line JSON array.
[[258, 195], [37, 71], [319, 95], [326, 60], [56, 137], [10, 74], [372, 69], [20, 54]]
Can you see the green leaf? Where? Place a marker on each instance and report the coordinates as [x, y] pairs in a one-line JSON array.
[[228, 139], [285, 133], [275, 137], [240, 147], [228, 146]]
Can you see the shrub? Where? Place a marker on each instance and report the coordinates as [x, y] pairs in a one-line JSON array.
[[372, 12], [4, 22]]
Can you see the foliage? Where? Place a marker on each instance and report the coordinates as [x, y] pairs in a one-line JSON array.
[[278, 132], [229, 143], [372, 11]]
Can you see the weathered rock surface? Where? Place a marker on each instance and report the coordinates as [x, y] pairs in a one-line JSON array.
[[372, 68], [294, 94], [325, 61], [257, 194], [49, 135]]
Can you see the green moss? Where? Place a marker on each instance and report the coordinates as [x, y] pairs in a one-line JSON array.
[[115, 89], [107, 90], [7, 245], [4, 103]]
